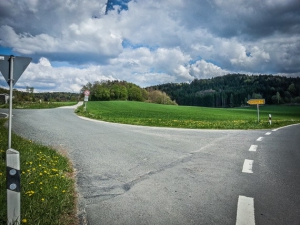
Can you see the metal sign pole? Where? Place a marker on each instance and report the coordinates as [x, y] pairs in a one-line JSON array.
[[257, 112], [11, 80], [12, 163]]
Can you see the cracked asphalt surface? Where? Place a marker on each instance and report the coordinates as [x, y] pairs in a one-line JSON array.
[[145, 175]]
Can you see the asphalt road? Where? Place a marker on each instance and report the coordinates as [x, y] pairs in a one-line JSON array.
[[144, 175]]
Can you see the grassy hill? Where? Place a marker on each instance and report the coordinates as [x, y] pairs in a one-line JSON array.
[[147, 114]]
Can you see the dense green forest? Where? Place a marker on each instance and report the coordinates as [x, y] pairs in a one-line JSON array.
[[233, 90], [123, 90]]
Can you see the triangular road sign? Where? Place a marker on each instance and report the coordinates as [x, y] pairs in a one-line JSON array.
[[19, 66]]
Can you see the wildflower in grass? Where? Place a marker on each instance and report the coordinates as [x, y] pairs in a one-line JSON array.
[[43, 199], [41, 182], [41, 174], [55, 187], [32, 182], [24, 221], [0, 174], [63, 191]]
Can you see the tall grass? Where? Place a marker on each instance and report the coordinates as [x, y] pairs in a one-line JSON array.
[[147, 114], [47, 188]]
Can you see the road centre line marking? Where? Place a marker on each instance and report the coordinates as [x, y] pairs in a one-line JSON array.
[[253, 148], [245, 211], [268, 133], [259, 139], [247, 167]]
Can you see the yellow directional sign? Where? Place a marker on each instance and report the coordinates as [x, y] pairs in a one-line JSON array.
[[256, 102]]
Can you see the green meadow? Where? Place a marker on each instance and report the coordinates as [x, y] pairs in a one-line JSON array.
[[148, 114]]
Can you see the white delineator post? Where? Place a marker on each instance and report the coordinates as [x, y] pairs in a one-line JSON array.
[[13, 186], [270, 119]]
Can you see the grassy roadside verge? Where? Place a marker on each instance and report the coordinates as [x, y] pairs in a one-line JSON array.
[[147, 114], [47, 187], [37, 105]]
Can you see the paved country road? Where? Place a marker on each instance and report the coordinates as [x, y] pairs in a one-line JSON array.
[[144, 175]]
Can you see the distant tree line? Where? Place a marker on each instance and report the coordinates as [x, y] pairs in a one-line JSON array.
[[30, 96], [233, 90], [124, 91]]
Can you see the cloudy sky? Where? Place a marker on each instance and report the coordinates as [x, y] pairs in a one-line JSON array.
[[148, 42]]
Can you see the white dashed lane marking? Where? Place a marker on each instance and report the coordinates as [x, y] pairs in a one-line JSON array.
[[259, 139], [247, 167], [268, 133], [253, 148], [245, 211]]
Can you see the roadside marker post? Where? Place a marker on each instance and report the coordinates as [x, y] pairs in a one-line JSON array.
[[256, 102], [12, 68]]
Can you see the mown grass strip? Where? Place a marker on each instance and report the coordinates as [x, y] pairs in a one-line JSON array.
[[148, 114], [47, 186]]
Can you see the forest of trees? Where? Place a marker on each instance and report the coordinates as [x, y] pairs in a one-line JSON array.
[[234, 90], [231, 90], [30, 96], [122, 90]]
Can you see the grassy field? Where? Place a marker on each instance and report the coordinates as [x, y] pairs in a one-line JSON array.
[[37, 105], [47, 186], [147, 114]]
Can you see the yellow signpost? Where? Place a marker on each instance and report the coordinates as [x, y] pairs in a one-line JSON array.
[[256, 102]]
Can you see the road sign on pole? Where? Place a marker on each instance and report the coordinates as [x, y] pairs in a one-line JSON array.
[[256, 102], [19, 66], [86, 98], [12, 68]]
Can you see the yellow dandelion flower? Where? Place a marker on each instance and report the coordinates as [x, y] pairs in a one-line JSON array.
[[0, 174], [55, 187], [63, 191], [41, 182], [41, 174], [43, 199], [24, 221]]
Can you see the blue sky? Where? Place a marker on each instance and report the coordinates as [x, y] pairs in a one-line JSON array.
[[148, 42]]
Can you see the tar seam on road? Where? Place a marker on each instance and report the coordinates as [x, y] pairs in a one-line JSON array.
[[245, 211]]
